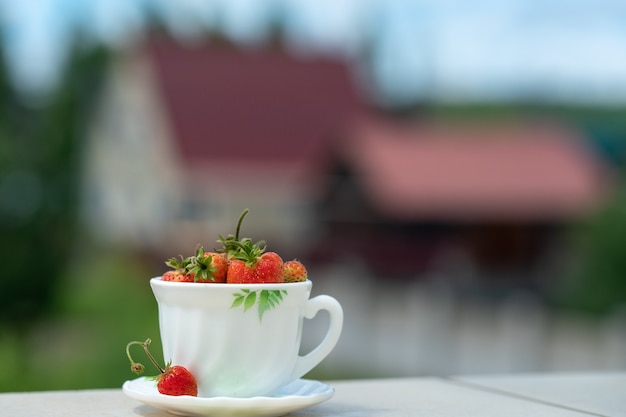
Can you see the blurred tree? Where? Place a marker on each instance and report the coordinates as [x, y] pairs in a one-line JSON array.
[[596, 283], [40, 150]]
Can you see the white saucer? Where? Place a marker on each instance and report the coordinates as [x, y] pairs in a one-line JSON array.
[[297, 395]]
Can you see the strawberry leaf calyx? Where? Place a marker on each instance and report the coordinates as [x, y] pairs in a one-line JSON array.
[[179, 264], [201, 265], [248, 251], [229, 245]]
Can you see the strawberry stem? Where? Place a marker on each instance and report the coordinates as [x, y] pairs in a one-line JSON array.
[[245, 212], [230, 244], [135, 367]]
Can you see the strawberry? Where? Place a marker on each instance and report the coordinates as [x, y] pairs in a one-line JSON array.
[[202, 267], [180, 270], [252, 265], [177, 380], [294, 271], [208, 266], [173, 380], [220, 263]]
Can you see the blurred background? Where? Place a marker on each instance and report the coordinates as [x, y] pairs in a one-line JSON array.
[[453, 173]]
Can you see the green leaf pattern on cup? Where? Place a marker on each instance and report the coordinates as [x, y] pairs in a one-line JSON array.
[[264, 299]]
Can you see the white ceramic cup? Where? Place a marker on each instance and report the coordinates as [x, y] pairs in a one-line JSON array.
[[242, 340]]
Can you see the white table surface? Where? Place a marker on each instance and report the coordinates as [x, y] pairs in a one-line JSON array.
[[538, 395], [597, 394]]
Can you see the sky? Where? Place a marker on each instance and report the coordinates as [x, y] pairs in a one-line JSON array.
[[403, 50]]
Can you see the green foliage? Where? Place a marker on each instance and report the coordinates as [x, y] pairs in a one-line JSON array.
[[104, 301], [40, 150], [597, 281]]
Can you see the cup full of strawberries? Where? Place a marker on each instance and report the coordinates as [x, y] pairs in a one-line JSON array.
[[231, 321]]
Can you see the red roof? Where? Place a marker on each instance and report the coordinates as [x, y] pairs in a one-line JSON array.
[[248, 111], [476, 171], [243, 105]]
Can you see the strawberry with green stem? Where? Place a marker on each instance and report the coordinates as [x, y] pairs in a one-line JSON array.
[[208, 266], [173, 380], [248, 261], [250, 264], [180, 270], [202, 267]]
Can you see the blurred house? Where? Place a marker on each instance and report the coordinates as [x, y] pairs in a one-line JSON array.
[[469, 200], [189, 136]]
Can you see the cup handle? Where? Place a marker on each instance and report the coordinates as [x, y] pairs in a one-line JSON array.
[[322, 302]]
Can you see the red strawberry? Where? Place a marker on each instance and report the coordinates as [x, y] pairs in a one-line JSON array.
[[294, 271], [177, 380], [220, 263], [208, 266], [251, 265], [173, 380], [202, 267], [180, 270]]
